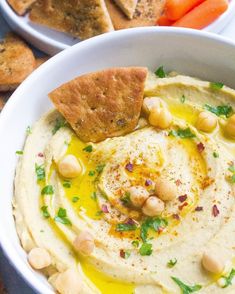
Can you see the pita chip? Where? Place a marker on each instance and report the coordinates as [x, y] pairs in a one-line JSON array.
[[21, 6], [127, 6], [102, 104]]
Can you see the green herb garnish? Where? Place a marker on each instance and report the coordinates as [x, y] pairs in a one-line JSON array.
[[45, 212], [182, 133], [126, 201], [75, 199], [62, 217], [100, 168], [94, 196], [185, 288], [91, 173], [135, 243], [228, 280], [160, 72], [19, 152], [67, 184], [60, 123], [40, 172], [125, 227], [216, 86], [232, 170], [182, 99], [99, 213], [28, 130], [88, 148], [215, 154], [172, 262], [146, 249], [47, 190], [153, 224], [221, 110]]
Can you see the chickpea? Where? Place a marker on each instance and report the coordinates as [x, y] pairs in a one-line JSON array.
[[69, 167], [213, 262], [230, 126], [206, 122], [153, 206], [160, 117], [69, 282], [165, 189], [151, 103], [138, 195], [39, 258], [84, 243]]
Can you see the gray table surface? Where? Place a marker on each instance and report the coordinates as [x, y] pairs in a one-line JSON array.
[[12, 282]]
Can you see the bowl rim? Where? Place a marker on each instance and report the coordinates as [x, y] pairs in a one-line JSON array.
[[5, 243]]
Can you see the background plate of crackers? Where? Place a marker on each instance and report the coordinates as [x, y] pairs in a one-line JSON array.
[[52, 41]]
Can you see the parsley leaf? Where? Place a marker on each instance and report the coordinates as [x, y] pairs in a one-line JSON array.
[[91, 173], [146, 249], [75, 199], [19, 152], [125, 227], [216, 85], [151, 223], [229, 278], [126, 200], [135, 243], [182, 99], [67, 184], [100, 168], [160, 72], [62, 217], [60, 123], [94, 196], [40, 172], [88, 148], [220, 110], [182, 133], [172, 262], [215, 154], [185, 288], [45, 212], [47, 190]]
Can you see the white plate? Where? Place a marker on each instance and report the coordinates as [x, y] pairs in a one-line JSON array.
[[53, 42], [172, 47]]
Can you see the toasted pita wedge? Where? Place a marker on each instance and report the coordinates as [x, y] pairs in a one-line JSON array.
[[16, 62], [80, 18], [127, 6], [146, 13], [102, 104], [21, 6]]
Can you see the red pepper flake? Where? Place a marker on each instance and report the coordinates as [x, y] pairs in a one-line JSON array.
[[176, 216], [178, 182], [148, 183], [200, 147], [199, 208], [215, 210], [40, 154], [182, 198], [104, 208], [122, 253], [183, 205], [129, 167]]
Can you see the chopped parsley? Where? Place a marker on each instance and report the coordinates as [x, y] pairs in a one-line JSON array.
[[62, 217], [40, 172], [232, 170], [146, 249], [172, 262], [228, 280], [91, 173], [28, 130], [135, 243], [100, 168], [216, 85], [221, 110], [182, 133], [125, 227], [182, 99], [75, 199], [186, 289], [93, 196], [47, 190], [67, 184], [126, 201], [160, 72], [88, 148], [60, 123], [45, 212], [215, 154], [19, 152], [153, 224]]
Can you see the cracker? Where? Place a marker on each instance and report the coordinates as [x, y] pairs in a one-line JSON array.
[[80, 18], [146, 13], [102, 104], [16, 62], [20, 6], [127, 6]]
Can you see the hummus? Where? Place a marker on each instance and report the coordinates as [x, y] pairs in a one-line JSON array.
[[133, 252]]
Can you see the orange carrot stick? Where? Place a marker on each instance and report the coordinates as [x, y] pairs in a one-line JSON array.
[[175, 9], [202, 15], [164, 21]]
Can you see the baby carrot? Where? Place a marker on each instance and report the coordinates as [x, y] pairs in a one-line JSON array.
[[202, 15], [164, 21], [175, 9]]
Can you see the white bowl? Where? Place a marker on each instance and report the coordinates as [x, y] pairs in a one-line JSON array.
[[52, 42], [191, 52]]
